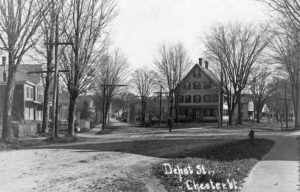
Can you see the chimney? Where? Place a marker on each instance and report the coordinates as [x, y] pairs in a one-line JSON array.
[[200, 61], [206, 64], [4, 71]]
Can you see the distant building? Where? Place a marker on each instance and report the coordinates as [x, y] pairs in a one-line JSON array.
[[199, 98]]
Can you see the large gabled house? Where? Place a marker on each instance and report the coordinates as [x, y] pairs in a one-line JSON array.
[[198, 95]]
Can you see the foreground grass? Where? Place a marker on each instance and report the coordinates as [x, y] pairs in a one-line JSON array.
[[25, 143], [215, 168]]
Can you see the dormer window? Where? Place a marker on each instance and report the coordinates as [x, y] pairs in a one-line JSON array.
[[196, 73]]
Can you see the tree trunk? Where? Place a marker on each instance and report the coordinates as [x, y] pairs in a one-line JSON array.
[[171, 113], [45, 128], [230, 110], [71, 118], [107, 105], [258, 116], [49, 49], [177, 109], [297, 111], [143, 112], [297, 107], [221, 107], [8, 99], [239, 120], [229, 117]]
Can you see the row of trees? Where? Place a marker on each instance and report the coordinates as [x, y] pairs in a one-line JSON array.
[[284, 48], [236, 50], [171, 66], [241, 56], [39, 27]]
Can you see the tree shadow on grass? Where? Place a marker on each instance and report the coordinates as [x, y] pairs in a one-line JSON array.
[[213, 148]]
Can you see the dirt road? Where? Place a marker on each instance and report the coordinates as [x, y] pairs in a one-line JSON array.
[[74, 170], [119, 161]]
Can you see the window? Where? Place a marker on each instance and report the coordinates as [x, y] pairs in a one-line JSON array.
[[29, 92], [198, 114], [197, 98], [63, 114], [40, 94], [206, 85], [187, 85], [210, 112], [182, 112], [225, 112], [39, 115], [29, 113], [187, 98], [180, 99], [196, 85], [215, 98], [206, 98], [215, 112], [197, 73]]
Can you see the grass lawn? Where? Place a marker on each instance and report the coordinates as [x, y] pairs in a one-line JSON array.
[[24, 143], [215, 168]]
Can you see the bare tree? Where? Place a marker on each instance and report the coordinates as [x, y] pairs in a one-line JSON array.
[[171, 65], [285, 50], [261, 88], [143, 82], [288, 9], [113, 73], [42, 53], [85, 25], [235, 49], [287, 42], [19, 21]]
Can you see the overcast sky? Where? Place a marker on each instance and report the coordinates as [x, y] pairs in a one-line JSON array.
[[142, 25]]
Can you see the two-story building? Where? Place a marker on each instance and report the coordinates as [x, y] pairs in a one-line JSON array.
[[198, 95], [27, 104], [28, 100], [28, 95]]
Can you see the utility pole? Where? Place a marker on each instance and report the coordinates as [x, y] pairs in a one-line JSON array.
[[103, 108], [55, 83], [160, 102], [104, 102], [220, 119], [54, 114], [160, 98], [55, 131], [286, 105]]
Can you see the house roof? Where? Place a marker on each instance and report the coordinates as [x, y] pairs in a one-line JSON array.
[[22, 73], [204, 70]]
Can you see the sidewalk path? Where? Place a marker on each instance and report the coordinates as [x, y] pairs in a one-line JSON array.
[[279, 169]]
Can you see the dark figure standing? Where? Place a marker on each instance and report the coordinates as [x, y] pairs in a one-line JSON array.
[[170, 124], [251, 136]]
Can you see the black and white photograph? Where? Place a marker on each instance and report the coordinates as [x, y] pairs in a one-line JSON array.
[[149, 95]]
